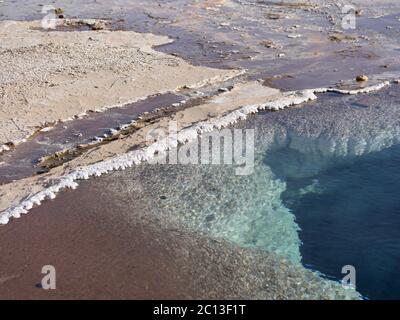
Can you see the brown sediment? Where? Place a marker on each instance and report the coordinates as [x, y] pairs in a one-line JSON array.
[[22, 160], [270, 82], [54, 160], [342, 37], [100, 254]]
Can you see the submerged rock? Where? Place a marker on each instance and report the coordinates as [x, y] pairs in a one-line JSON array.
[[98, 25], [270, 44], [58, 11]]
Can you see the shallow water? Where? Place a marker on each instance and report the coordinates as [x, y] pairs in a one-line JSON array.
[[310, 163], [232, 35], [22, 161], [301, 158], [313, 163]]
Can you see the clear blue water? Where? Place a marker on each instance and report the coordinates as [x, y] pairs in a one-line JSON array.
[[349, 216], [324, 191]]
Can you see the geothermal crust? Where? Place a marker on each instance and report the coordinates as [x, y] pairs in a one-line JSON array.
[[49, 76]]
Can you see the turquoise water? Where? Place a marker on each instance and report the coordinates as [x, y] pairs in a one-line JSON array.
[[350, 215], [324, 192], [347, 203]]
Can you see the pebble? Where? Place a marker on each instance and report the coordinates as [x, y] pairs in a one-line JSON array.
[[98, 25], [42, 171], [46, 129], [58, 11], [294, 36], [270, 44], [361, 78]]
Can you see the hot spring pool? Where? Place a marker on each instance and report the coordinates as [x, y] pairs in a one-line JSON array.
[[324, 192], [350, 214]]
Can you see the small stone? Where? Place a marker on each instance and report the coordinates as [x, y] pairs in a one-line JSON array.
[[4, 148], [210, 217], [270, 44], [46, 129], [294, 36], [273, 16], [361, 78], [42, 170], [223, 89], [58, 11], [98, 25]]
